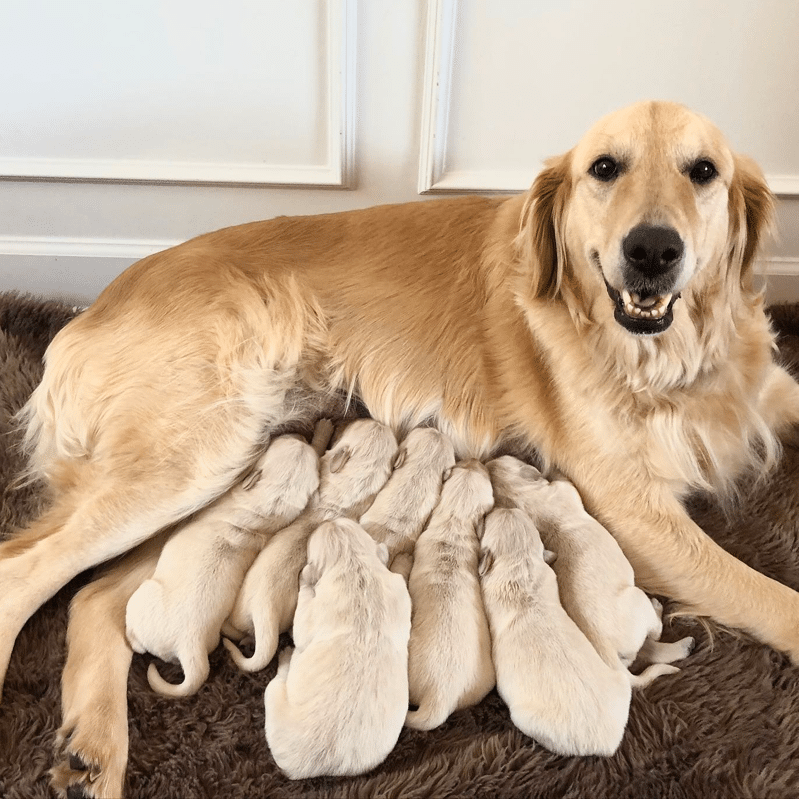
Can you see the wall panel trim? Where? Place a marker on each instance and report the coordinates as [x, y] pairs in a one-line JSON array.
[[340, 118]]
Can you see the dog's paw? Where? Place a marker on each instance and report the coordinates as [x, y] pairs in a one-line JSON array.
[[86, 767]]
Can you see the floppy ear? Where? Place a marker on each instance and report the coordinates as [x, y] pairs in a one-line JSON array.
[[540, 243], [383, 553], [400, 458], [486, 562], [750, 210], [251, 480], [339, 459], [309, 575]]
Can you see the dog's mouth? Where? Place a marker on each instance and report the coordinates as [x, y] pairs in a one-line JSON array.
[[642, 315]]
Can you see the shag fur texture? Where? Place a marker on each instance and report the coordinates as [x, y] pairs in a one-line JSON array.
[[726, 726]]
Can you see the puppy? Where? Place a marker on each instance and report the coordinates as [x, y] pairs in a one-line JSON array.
[[595, 580], [557, 688], [449, 654], [403, 506], [177, 614], [351, 474], [337, 703]]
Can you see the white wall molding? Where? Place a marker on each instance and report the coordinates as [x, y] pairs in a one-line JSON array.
[[439, 46], [339, 114], [77, 247]]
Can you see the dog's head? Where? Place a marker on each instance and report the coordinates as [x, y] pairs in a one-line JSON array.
[[650, 204]]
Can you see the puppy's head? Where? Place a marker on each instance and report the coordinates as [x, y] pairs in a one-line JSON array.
[[509, 536], [364, 444], [652, 203], [508, 474], [425, 447], [336, 543], [467, 489]]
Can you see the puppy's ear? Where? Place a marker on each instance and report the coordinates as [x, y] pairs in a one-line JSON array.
[[751, 207], [549, 557], [400, 458], [383, 553], [309, 575], [486, 561], [339, 459], [540, 242], [251, 479]]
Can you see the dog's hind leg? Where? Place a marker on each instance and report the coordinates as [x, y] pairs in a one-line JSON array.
[[92, 743]]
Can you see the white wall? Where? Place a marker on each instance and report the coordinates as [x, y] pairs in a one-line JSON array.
[[129, 127]]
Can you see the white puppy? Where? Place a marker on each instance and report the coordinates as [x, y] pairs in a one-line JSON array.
[[449, 654], [351, 474], [557, 688], [177, 614], [403, 506], [338, 701], [595, 580]]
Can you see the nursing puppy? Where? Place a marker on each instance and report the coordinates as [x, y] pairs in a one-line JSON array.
[[557, 688], [595, 580], [351, 474], [449, 654], [403, 506], [177, 614], [338, 701]]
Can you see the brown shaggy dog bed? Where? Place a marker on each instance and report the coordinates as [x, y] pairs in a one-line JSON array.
[[725, 726]]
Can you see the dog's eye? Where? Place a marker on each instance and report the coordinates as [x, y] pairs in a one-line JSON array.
[[702, 172], [604, 168]]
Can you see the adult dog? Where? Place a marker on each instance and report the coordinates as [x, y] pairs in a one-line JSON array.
[[607, 318]]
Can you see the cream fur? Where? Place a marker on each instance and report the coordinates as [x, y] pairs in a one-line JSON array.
[[486, 317], [595, 580], [177, 614], [338, 701], [558, 689], [403, 506], [449, 653], [351, 474]]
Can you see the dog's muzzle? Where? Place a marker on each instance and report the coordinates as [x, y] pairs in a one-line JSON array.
[[653, 257]]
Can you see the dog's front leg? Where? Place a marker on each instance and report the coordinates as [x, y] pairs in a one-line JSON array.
[[92, 743], [672, 556]]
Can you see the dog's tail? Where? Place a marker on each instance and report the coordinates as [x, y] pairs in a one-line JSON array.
[[195, 672], [266, 645], [428, 716]]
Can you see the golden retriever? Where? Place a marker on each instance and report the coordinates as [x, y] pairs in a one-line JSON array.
[[450, 648], [338, 701], [558, 688], [606, 318]]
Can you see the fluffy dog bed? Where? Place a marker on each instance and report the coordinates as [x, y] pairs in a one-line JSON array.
[[726, 726]]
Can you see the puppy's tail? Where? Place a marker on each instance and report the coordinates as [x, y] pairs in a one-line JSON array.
[[427, 717], [195, 671], [266, 645]]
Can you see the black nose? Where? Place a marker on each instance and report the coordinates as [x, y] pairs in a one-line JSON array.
[[652, 249]]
